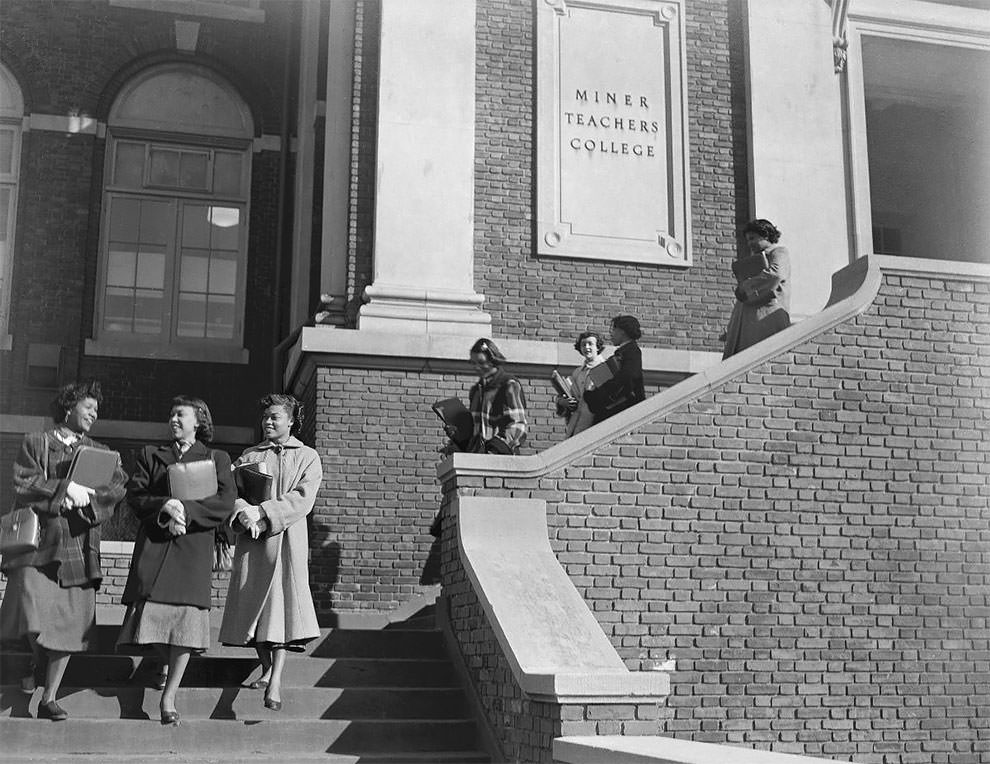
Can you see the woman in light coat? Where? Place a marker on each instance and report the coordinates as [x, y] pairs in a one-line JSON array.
[[574, 407], [763, 299], [269, 605]]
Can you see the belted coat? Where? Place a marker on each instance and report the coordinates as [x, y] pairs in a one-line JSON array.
[[269, 599]]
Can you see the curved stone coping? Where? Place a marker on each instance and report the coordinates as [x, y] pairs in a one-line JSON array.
[[652, 749], [557, 650], [854, 289]]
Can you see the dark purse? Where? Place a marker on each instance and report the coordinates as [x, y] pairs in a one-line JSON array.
[[20, 530]]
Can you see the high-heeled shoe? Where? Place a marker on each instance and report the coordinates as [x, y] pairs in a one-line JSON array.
[[160, 680], [273, 705], [258, 684], [170, 718], [52, 710]]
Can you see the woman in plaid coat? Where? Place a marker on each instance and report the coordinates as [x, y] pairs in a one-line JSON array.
[[50, 599], [497, 404]]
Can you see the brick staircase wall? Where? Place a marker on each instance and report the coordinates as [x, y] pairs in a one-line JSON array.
[[805, 547]]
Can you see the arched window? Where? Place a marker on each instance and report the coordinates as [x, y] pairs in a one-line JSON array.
[[173, 245], [11, 117]]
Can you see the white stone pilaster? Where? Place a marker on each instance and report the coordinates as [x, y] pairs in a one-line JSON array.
[[424, 198]]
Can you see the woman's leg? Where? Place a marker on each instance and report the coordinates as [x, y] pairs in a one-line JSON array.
[[274, 691], [57, 661], [178, 659], [265, 656]]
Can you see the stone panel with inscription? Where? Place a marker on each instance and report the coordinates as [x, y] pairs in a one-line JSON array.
[[611, 141]]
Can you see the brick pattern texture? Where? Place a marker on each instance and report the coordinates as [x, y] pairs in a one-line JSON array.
[[807, 544], [371, 548]]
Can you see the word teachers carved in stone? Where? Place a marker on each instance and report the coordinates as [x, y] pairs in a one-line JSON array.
[[611, 149], [601, 126]]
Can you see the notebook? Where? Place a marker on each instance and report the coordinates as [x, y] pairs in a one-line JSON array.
[[454, 414], [192, 481], [253, 485], [747, 267], [93, 467]]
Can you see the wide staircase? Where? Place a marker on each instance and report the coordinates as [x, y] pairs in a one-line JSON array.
[[387, 695]]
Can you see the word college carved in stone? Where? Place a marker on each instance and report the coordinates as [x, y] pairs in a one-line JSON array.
[[611, 141]]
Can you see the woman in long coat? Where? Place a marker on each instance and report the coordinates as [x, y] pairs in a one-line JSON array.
[[762, 299], [269, 605], [169, 584], [50, 599]]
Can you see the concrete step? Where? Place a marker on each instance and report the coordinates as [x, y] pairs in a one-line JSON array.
[[354, 703], [201, 738], [397, 757], [93, 670], [332, 643]]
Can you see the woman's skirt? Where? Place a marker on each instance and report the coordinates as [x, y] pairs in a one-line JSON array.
[[62, 618], [157, 623]]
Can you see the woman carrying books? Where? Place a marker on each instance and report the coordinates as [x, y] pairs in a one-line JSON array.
[[180, 492], [618, 381], [269, 606], [571, 402], [50, 599], [763, 289]]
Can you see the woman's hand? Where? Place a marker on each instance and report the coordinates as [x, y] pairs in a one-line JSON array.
[[569, 403], [77, 495], [173, 517]]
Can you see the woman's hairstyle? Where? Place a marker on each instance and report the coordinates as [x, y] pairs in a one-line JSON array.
[[69, 395], [599, 342], [292, 407], [490, 349], [629, 326], [763, 228], [204, 419]]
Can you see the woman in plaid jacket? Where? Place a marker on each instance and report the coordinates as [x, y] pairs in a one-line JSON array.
[[50, 600], [497, 404]]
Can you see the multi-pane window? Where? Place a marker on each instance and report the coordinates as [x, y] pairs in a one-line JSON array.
[[174, 237], [174, 263]]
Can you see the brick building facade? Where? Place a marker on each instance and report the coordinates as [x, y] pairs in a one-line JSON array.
[[421, 218]]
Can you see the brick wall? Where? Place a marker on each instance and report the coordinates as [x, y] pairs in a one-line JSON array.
[[550, 298], [809, 543], [378, 440]]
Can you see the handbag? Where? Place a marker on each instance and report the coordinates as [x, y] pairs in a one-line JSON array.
[[223, 552], [20, 531]]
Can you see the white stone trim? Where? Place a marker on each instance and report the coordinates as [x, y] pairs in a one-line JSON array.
[[669, 241], [253, 14], [655, 749], [131, 348], [363, 349], [530, 602], [123, 548], [75, 124], [128, 429], [947, 268]]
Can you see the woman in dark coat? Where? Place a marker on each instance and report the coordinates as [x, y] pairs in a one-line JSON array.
[[50, 599], [168, 586], [625, 388]]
